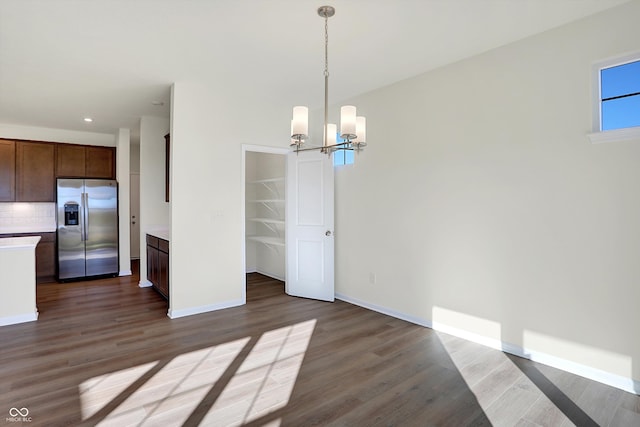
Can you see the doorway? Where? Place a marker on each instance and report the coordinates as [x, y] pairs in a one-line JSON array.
[[134, 206], [265, 173], [290, 194]]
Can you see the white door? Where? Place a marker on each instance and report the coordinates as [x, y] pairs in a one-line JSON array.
[[134, 206], [309, 226]]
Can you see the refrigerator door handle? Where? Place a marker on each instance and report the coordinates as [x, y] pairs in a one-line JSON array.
[[85, 215]]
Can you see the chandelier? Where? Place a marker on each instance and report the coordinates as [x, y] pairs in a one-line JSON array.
[[352, 127]]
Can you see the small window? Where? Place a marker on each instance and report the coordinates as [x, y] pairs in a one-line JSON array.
[[342, 157], [620, 96]]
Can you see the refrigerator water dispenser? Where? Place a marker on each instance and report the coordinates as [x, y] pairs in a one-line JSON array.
[[71, 213]]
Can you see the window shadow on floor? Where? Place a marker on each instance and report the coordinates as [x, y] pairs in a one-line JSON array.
[[563, 402]]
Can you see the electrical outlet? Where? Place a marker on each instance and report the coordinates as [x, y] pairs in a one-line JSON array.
[[372, 278]]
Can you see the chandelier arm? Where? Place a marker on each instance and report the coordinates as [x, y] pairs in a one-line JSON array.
[[338, 146]]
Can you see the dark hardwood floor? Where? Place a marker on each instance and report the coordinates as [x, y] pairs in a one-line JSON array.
[[104, 353]]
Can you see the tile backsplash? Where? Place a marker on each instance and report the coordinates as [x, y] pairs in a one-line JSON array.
[[27, 217]]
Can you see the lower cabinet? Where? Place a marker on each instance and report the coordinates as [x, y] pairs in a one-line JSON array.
[[46, 258], [158, 264]]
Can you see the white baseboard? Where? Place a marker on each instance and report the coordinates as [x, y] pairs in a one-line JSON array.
[[21, 318], [145, 284], [623, 383], [272, 275], [175, 314], [125, 273], [384, 310]]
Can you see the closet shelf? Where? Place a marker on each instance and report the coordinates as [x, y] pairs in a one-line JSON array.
[[267, 220], [267, 181], [267, 201], [269, 241]]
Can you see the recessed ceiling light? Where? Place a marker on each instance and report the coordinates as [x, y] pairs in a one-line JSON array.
[[88, 119]]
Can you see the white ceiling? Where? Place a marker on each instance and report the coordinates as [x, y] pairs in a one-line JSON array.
[[62, 60]]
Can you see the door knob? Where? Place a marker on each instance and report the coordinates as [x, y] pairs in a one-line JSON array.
[[327, 233]]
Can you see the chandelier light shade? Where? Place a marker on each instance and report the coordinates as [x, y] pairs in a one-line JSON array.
[[300, 123], [361, 132], [352, 128], [348, 122]]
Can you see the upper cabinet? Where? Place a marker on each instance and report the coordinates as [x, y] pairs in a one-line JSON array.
[[70, 161], [35, 171], [7, 171], [85, 161], [28, 169], [100, 162]]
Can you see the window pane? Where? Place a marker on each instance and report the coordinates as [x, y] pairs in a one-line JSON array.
[[338, 158], [348, 157], [621, 80], [621, 113]]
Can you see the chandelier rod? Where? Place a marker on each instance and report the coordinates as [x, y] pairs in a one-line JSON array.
[[326, 12]]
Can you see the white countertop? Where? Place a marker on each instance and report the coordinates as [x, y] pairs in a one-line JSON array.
[[27, 229], [9, 243]]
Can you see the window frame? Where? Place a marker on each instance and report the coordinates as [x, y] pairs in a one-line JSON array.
[[344, 154], [598, 135]]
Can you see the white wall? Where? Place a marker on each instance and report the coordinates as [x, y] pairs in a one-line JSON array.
[[154, 210], [36, 133], [209, 126], [134, 160], [122, 175], [480, 204]]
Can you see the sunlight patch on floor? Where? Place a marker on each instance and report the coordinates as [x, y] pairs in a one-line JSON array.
[[170, 395], [265, 380], [96, 392], [262, 384]]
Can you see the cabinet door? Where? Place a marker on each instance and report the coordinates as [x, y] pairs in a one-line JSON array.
[[7, 171], [152, 265], [163, 273], [70, 161], [100, 162], [46, 258], [35, 175]]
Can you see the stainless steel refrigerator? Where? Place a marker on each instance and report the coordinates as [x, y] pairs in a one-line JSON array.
[[87, 229]]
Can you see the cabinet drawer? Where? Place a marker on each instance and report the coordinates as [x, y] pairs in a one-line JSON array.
[[163, 245], [152, 241]]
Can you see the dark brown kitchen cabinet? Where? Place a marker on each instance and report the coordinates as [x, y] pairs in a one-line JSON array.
[[46, 258], [163, 273], [35, 171], [70, 161], [152, 259], [7, 171], [158, 264], [100, 162], [85, 161]]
